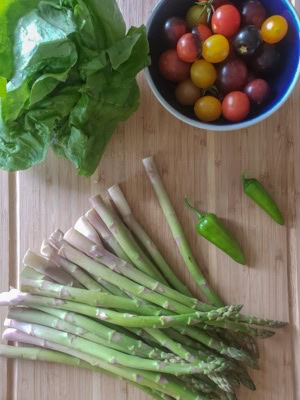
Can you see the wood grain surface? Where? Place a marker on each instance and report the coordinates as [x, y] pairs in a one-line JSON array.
[[205, 166]]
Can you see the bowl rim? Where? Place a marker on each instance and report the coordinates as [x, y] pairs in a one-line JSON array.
[[229, 127]]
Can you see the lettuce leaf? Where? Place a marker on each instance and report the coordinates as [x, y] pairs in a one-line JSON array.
[[71, 74]]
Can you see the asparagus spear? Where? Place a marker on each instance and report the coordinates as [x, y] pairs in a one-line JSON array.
[[178, 233], [239, 327], [101, 255], [83, 360], [136, 255], [83, 226], [56, 239], [95, 268], [46, 267], [128, 217], [52, 254], [112, 356], [92, 298], [15, 297], [106, 235], [31, 316], [111, 335], [217, 345]]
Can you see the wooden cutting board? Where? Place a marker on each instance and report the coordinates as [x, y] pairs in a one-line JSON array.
[[205, 166]]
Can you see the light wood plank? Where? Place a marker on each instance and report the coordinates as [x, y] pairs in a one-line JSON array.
[[205, 166], [4, 272]]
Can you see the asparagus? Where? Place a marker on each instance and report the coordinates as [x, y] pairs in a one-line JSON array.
[[86, 228], [128, 217], [136, 255], [98, 253], [214, 344], [15, 297], [239, 327], [177, 231], [106, 235], [111, 335], [56, 239], [26, 315], [62, 354], [113, 356], [171, 345], [46, 267], [92, 298], [52, 254], [30, 273], [95, 268]]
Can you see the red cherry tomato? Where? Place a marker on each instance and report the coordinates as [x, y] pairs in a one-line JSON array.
[[172, 67], [236, 106], [226, 20], [202, 31], [189, 48]]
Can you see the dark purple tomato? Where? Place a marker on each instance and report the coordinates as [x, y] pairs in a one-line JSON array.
[[189, 47], [174, 28], [258, 91], [266, 58], [232, 76], [247, 41], [172, 68], [253, 13]]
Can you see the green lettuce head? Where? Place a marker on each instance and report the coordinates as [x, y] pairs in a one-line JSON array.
[[71, 73]]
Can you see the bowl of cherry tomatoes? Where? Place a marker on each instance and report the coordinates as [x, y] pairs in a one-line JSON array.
[[223, 64]]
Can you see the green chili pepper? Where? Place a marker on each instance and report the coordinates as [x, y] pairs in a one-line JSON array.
[[261, 197], [211, 228]]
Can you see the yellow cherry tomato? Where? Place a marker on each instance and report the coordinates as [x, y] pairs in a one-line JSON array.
[[274, 29], [208, 109], [215, 49], [203, 74]]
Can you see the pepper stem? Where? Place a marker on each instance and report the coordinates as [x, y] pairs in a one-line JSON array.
[[188, 204], [244, 179]]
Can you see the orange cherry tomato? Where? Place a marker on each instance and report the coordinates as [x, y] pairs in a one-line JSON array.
[[208, 109], [274, 29]]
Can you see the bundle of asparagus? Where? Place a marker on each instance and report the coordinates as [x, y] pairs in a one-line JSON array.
[[102, 297]]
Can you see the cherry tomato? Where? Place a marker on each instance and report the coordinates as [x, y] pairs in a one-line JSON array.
[[172, 68], [236, 106], [203, 74], [215, 49], [202, 31], [226, 20], [253, 13], [174, 29], [258, 90], [187, 93], [232, 75], [208, 109], [189, 47], [197, 15], [274, 29], [265, 59], [247, 41]]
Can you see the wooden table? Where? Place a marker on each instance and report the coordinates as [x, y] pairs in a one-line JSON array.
[[206, 166]]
